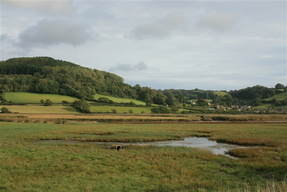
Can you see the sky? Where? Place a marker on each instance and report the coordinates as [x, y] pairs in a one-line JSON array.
[[209, 45]]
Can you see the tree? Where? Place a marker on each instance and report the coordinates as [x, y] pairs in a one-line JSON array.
[[5, 110], [82, 105], [48, 102], [42, 101], [279, 86]]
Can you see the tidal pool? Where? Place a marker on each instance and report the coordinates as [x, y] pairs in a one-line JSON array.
[[198, 142]]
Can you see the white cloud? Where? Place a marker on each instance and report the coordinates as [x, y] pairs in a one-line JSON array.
[[161, 28], [197, 48], [141, 66], [217, 21], [57, 31], [55, 7]]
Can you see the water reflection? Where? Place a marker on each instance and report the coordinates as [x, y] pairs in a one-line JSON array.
[[198, 142]]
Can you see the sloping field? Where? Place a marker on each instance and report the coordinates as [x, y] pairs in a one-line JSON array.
[[279, 97], [120, 100], [220, 93], [24, 97]]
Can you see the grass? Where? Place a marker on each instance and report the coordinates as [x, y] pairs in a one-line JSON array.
[[25, 97], [40, 109], [279, 97], [120, 100], [28, 166], [120, 109], [220, 93]]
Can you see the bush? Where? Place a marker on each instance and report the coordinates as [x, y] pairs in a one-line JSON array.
[[130, 111], [82, 106], [114, 110], [65, 102], [160, 109], [48, 102], [103, 100], [5, 110]]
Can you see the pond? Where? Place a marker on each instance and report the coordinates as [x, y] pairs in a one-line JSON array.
[[198, 142]]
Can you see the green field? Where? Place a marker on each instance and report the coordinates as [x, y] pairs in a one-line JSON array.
[[279, 97], [220, 93], [120, 100], [24, 97], [40, 109], [29, 166], [104, 109], [69, 109]]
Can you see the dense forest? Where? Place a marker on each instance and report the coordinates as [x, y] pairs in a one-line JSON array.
[[48, 75]]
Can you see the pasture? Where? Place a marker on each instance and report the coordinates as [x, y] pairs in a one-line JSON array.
[[55, 109], [34, 98], [279, 97], [120, 100], [109, 109], [29, 166]]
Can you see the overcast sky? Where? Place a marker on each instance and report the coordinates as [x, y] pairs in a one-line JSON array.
[[210, 45]]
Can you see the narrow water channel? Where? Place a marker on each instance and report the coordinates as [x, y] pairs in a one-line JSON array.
[[198, 142]]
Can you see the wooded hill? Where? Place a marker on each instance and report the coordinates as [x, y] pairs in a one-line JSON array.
[[48, 75]]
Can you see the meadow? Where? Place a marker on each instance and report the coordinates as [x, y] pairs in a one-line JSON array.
[[55, 109], [120, 100], [279, 97], [34, 98], [26, 165], [109, 109]]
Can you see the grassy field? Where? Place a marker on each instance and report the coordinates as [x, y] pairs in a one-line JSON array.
[[120, 109], [220, 93], [40, 109], [120, 100], [24, 97], [279, 97], [29, 166]]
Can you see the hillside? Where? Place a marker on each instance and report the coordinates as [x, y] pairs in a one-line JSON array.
[[47, 75]]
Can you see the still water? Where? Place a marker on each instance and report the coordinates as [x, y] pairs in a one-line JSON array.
[[198, 142]]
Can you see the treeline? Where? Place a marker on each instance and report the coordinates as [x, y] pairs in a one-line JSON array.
[[251, 96]]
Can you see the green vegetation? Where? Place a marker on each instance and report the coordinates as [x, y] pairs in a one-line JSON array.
[[279, 97], [5, 110], [120, 100], [118, 109], [29, 166], [34, 98], [40, 109], [63, 82]]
